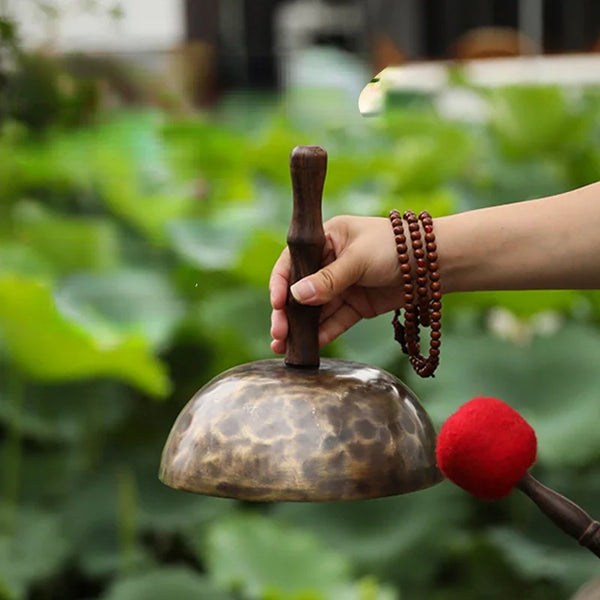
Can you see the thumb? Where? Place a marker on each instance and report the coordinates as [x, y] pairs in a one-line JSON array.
[[330, 281]]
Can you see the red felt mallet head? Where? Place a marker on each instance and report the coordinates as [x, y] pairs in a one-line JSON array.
[[486, 447]]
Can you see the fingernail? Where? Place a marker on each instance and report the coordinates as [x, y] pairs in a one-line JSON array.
[[303, 290]]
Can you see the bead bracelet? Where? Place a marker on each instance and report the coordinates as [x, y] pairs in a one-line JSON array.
[[422, 296]]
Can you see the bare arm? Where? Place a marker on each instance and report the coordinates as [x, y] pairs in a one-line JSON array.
[[549, 243]]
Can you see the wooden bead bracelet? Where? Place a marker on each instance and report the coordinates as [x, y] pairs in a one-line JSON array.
[[422, 296]]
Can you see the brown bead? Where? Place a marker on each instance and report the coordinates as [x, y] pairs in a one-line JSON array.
[[417, 361], [421, 289], [413, 347], [425, 370]]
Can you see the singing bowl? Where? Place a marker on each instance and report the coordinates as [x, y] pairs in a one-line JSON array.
[[270, 432]]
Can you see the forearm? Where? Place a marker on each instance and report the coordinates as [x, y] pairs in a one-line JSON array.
[[550, 243]]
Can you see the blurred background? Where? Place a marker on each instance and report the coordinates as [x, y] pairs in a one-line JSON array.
[[144, 196]]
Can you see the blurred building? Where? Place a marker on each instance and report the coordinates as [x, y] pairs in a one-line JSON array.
[[216, 45], [255, 38]]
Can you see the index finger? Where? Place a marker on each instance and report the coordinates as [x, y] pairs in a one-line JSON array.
[[280, 280]]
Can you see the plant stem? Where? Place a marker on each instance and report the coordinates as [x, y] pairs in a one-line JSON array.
[[126, 518], [13, 450]]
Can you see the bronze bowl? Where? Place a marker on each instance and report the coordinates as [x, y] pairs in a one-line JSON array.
[[302, 429], [268, 431]]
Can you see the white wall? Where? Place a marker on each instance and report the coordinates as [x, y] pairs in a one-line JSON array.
[[146, 25]]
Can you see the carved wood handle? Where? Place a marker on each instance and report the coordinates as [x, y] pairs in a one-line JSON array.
[[306, 239], [564, 513]]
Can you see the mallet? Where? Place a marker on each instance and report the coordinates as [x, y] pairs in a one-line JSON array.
[[486, 447]]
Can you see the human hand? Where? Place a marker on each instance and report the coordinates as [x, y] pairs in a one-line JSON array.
[[360, 279]]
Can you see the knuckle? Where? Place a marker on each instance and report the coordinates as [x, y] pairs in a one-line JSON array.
[[328, 280]]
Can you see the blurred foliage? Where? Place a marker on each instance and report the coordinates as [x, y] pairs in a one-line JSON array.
[[134, 259]]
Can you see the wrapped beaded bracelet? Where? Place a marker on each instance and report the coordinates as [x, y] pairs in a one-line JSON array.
[[422, 296]]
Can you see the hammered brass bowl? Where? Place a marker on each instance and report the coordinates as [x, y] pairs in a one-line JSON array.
[[265, 431], [302, 429]]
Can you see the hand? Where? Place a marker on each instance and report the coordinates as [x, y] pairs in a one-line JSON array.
[[360, 279]]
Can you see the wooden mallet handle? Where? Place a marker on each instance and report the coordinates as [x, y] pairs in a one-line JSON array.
[[306, 239]]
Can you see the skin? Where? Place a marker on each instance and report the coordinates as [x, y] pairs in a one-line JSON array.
[[548, 243]]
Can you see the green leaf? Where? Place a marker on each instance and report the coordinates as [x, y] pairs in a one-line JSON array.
[[5, 591], [101, 522], [210, 246], [371, 342], [21, 258], [521, 304], [537, 562], [263, 558], [132, 301], [69, 243], [239, 315], [129, 162], [552, 380], [366, 589], [147, 212], [178, 583], [529, 120], [257, 259], [388, 537], [424, 162], [37, 549], [73, 412], [46, 345]]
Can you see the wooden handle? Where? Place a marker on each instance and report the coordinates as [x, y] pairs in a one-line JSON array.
[[564, 513], [306, 239]]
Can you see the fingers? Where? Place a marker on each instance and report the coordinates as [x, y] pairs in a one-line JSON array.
[[278, 346], [279, 281], [339, 322], [328, 282], [332, 327], [279, 330]]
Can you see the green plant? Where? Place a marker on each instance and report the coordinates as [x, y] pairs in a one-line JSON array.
[[134, 260]]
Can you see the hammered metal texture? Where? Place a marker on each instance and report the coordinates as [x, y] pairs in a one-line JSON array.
[[267, 431]]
